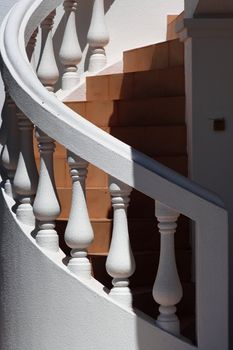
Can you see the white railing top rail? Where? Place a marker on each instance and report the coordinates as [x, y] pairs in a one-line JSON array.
[[78, 135]]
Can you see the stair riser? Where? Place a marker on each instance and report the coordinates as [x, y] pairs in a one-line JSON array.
[[161, 82], [145, 112], [158, 56]]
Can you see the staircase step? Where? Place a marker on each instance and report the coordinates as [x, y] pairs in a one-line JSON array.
[[158, 82], [144, 234], [143, 112], [146, 268], [161, 55]]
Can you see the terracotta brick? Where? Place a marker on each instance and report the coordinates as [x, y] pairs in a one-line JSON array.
[[161, 140], [98, 202], [160, 56], [78, 107], [101, 113], [146, 58], [97, 88], [138, 59], [120, 86], [160, 82], [176, 53], [152, 111]]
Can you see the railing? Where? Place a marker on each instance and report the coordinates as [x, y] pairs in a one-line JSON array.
[[36, 197]]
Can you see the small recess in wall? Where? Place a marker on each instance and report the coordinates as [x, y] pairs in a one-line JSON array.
[[219, 124]]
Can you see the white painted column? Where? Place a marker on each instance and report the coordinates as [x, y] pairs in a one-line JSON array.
[[70, 53], [97, 37], [79, 233], [46, 206], [10, 152], [167, 289], [120, 262], [26, 176]]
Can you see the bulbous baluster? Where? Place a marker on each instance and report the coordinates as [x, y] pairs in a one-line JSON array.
[[79, 233], [47, 70], [46, 206], [120, 262], [10, 151], [97, 37], [26, 176], [70, 53], [167, 289]]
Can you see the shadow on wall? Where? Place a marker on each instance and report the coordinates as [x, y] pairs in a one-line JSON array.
[[83, 20]]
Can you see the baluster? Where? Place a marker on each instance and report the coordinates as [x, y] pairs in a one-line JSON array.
[[47, 70], [97, 37], [10, 151], [167, 289], [26, 176], [70, 53], [46, 206], [120, 262], [79, 233]]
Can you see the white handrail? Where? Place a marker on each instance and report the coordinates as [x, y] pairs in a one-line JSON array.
[[124, 163]]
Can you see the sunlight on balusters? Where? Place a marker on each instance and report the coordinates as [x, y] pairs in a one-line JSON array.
[[120, 262]]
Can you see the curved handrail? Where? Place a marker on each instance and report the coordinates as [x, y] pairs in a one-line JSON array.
[[91, 143]]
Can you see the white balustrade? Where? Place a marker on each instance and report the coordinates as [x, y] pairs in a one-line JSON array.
[[79, 233], [46, 206], [167, 289], [26, 176], [10, 151], [70, 53], [47, 70], [97, 37], [120, 262]]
